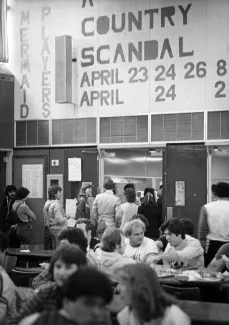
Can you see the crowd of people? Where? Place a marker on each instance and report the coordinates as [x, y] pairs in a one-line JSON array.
[[113, 250]]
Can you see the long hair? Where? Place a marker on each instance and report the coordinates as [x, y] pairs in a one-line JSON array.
[[148, 300], [150, 199]]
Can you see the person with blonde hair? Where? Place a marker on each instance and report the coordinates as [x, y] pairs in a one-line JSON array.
[[139, 247], [146, 302]]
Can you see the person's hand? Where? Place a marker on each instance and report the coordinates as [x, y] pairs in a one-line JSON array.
[[220, 264], [44, 265], [159, 244], [68, 216]]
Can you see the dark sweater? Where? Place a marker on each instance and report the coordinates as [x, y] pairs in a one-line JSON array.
[[153, 215]]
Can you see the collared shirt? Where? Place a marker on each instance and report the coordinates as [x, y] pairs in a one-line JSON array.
[[107, 207]]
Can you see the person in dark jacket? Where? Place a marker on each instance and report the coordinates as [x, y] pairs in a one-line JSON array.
[[152, 212], [82, 205], [6, 207]]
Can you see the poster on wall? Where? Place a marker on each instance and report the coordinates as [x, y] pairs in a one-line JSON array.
[[131, 56], [74, 169], [70, 208], [32, 178], [180, 193]]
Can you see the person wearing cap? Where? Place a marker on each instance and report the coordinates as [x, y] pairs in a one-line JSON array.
[[82, 205], [106, 208], [152, 212]]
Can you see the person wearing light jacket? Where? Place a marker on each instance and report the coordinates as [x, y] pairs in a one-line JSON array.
[[182, 250], [106, 209], [110, 255], [54, 214]]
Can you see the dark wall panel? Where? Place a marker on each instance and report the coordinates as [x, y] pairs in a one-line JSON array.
[[6, 111]]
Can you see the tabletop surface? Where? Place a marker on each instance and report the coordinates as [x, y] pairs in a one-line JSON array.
[[206, 311], [39, 252], [198, 282]]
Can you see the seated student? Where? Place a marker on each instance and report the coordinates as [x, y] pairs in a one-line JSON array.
[[8, 290], [188, 228], [139, 247], [93, 242], [88, 229], [66, 260], [219, 264], [112, 248], [84, 298], [181, 250], [146, 302], [67, 235]]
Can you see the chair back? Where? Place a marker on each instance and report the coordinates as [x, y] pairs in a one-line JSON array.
[[9, 263], [182, 293]]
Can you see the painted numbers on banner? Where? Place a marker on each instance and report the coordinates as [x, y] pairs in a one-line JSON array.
[[221, 85], [138, 75], [195, 71]]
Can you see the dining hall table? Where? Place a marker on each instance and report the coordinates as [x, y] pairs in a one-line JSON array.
[[211, 289], [30, 255]]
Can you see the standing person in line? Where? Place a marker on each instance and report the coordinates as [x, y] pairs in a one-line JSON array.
[[130, 208], [131, 185], [152, 212], [159, 200], [214, 222], [6, 207], [25, 216], [82, 205], [54, 213], [7, 221], [106, 208]]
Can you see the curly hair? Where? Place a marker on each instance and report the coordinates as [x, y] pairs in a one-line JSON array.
[[69, 254], [148, 299], [52, 191], [10, 188], [130, 195]]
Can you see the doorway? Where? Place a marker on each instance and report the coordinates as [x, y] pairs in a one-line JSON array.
[[139, 166]]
